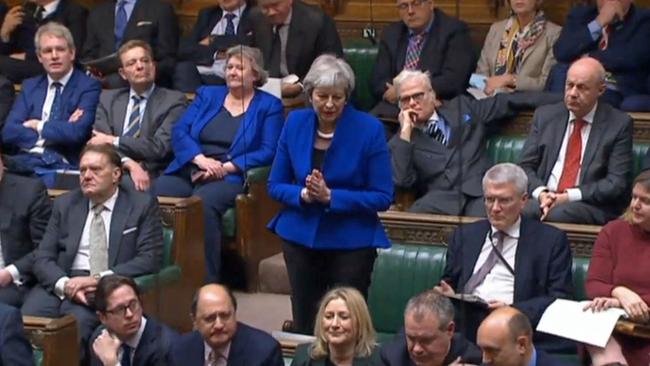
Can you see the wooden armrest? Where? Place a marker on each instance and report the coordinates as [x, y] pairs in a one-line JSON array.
[[50, 324], [56, 338], [633, 329]]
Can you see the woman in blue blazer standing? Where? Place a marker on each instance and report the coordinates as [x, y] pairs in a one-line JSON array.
[[332, 173], [224, 132]]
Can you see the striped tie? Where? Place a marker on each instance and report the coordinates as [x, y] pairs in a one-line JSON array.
[[436, 132], [412, 60], [133, 128]]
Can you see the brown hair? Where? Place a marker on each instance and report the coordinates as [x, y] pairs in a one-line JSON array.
[[642, 179], [135, 43], [107, 285]]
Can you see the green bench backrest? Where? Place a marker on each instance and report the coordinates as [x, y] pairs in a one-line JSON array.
[[405, 270], [361, 55], [168, 247]]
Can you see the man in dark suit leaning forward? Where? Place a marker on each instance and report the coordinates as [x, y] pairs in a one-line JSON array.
[[138, 120], [127, 337], [578, 154], [100, 229], [219, 339], [507, 259]]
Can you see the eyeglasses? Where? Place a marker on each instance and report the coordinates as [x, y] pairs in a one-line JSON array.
[[506, 201], [133, 306], [413, 4], [417, 97]]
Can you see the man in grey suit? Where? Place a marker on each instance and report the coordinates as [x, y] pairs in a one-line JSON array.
[[578, 155], [138, 120], [24, 211], [441, 153], [100, 229]]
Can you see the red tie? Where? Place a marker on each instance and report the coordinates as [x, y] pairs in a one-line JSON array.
[[572, 157], [604, 40]]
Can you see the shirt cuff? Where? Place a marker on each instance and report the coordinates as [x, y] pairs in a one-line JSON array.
[[59, 287], [39, 127], [105, 273], [15, 274], [574, 194], [595, 30], [116, 142], [539, 191], [125, 159]]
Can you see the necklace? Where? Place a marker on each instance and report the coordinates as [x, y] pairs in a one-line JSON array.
[[325, 136]]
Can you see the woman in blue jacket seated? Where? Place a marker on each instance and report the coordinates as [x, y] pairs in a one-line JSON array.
[[226, 131], [332, 173]]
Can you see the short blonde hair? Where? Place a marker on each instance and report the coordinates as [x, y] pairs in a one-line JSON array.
[[364, 331], [254, 56]]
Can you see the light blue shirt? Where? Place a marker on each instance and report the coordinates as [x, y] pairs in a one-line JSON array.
[[128, 7], [533, 359], [595, 30]]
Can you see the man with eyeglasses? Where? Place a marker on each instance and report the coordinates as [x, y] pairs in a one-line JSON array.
[[126, 337], [441, 152], [138, 120], [507, 260], [219, 339], [425, 39]]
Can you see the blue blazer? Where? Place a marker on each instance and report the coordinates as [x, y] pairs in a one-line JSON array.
[[248, 347], [627, 54], [254, 143], [15, 350], [357, 170], [63, 137]]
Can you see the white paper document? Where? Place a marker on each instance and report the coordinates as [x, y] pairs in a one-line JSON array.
[[565, 318]]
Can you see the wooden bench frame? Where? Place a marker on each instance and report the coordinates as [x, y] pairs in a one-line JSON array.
[[57, 339]]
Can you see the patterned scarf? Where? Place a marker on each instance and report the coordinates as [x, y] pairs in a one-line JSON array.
[[515, 41]]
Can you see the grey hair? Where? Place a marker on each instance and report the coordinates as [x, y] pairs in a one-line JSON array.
[[430, 302], [329, 71], [55, 29], [405, 75], [507, 173], [253, 55]]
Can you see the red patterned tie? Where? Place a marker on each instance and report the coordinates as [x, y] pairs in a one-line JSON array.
[[572, 157], [604, 40]]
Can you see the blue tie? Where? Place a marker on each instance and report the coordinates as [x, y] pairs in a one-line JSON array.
[[133, 128], [230, 27], [55, 110], [120, 22], [126, 355]]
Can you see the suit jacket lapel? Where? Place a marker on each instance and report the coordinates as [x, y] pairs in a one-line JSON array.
[[593, 143], [78, 214], [120, 106], [294, 42], [7, 193], [237, 352], [147, 117], [472, 252], [523, 265], [118, 221], [214, 19], [555, 143], [40, 92], [139, 13], [402, 45]]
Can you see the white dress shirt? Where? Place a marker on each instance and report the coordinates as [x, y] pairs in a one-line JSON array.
[[50, 8], [556, 173], [499, 284], [47, 107], [13, 271], [224, 351]]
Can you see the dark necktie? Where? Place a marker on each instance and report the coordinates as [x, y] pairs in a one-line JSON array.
[[120, 22], [572, 158], [434, 129], [126, 355], [55, 110], [133, 127], [38, 14], [230, 26], [477, 278], [413, 50], [276, 50]]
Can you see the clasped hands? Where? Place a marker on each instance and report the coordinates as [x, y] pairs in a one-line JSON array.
[[74, 117], [446, 290], [210, 169], [316, 189], [548, 200], [622, 297], [78, 288]]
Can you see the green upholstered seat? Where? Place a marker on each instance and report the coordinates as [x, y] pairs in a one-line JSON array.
[[579, 267], [169, 273], [361, 55]]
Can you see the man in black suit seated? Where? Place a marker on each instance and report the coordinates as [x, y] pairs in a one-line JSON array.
[[138, 120], [426, 39], [291, 34], [15, 349], [18, 59], [201, 55], [24, 211], [230, 342], [506, 339], [126, 336], [429, 336], [507, 260], [113, 23], [100, 229]]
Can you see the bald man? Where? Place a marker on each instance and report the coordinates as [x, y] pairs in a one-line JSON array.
[[219, 339], [578, 154], [506, 339]]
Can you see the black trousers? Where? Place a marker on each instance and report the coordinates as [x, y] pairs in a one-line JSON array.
[[312, 272]]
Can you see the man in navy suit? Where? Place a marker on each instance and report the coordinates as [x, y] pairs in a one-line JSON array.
[[126, 337], [52, 118], [616, 33], [230, 342], [506, 339], [507, 260], [15, 350]]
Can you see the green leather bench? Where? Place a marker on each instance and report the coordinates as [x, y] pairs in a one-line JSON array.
[[406, 270], [229, 218], [169, 271]]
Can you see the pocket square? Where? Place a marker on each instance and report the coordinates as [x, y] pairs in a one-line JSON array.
[[129, 230], [142, 23]]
